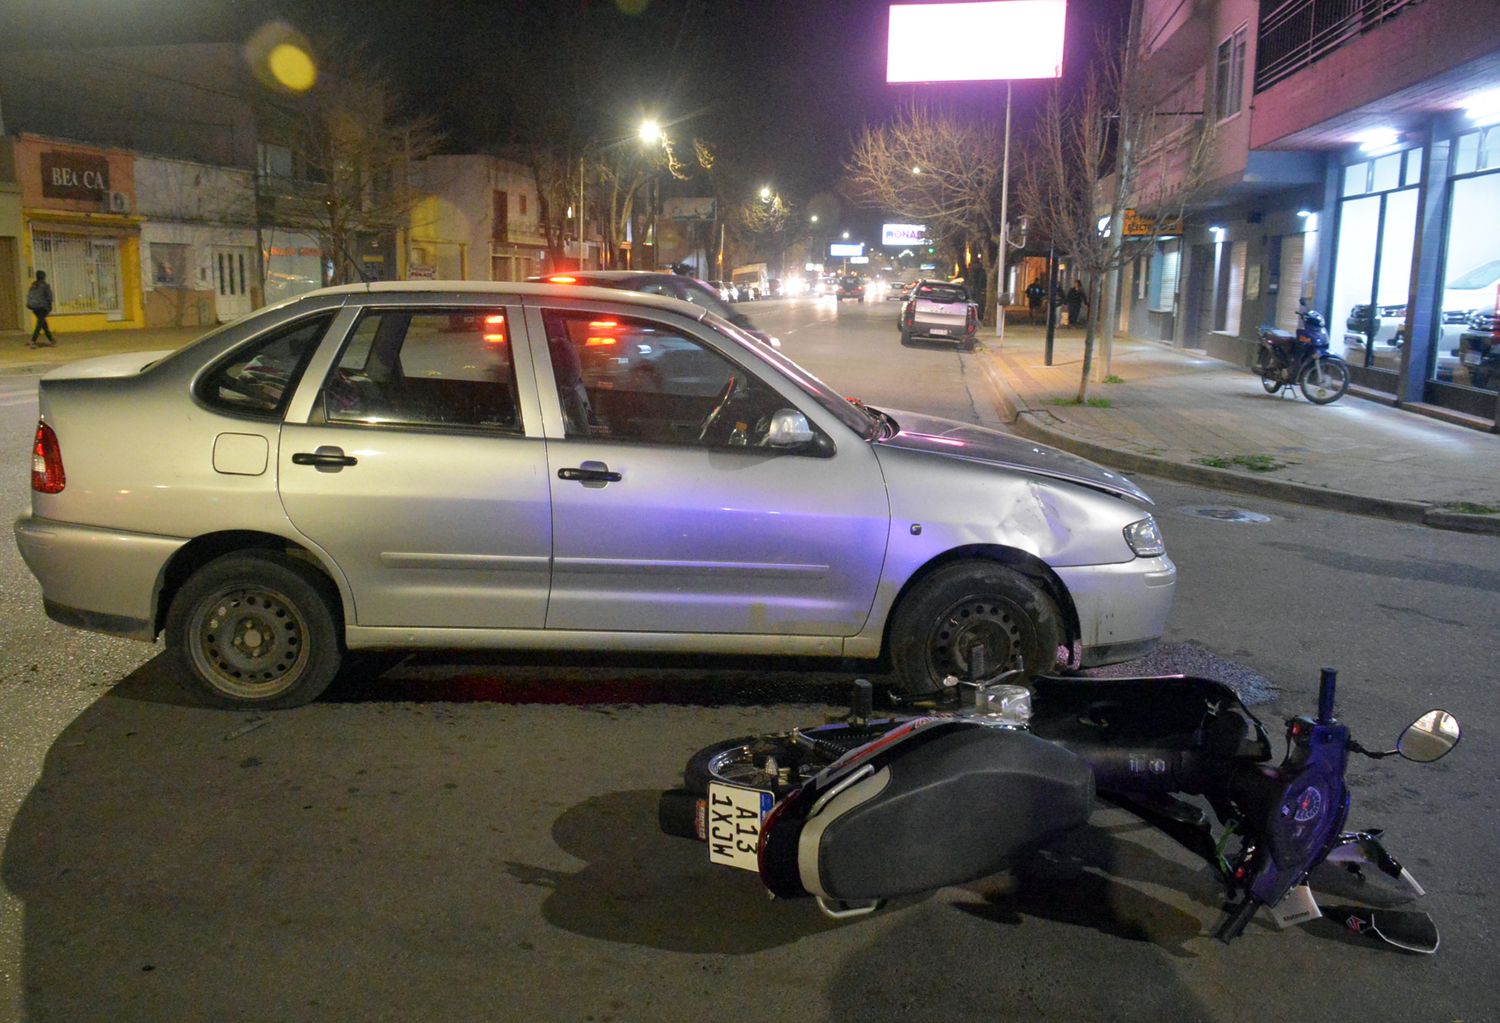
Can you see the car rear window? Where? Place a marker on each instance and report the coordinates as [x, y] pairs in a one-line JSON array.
[[942, 293], [258, 378]]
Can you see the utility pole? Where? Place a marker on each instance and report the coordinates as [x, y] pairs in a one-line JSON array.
[[1107, 311]]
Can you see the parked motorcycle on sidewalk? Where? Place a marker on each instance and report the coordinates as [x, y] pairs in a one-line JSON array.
[[1302, 360], [861, 810]]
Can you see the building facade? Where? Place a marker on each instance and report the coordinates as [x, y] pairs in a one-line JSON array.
[[477, 221], [79, 224], [198, 241], [1356, 171]]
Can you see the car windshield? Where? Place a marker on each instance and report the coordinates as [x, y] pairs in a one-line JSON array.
[[1482, 276], [943, 293], [866, 424]]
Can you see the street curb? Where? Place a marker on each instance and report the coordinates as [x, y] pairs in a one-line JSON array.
[[1016, 413]]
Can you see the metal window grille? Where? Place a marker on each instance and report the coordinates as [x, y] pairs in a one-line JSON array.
[[84, 271], [1294, 33]]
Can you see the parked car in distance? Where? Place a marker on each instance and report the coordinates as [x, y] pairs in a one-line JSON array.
[[689, 289], [1479, 348], [849, 286], [464, 464], [941, 311], [1388, 325]]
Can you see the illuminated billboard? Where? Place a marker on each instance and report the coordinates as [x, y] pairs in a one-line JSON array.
[[975, 42], [903, 234], [846, 249]]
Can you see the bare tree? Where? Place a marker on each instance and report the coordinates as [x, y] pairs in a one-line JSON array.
[[1074, 187], [351, 152], [940, 170]]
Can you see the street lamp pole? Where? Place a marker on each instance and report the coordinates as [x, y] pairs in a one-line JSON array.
[[1004, 224]]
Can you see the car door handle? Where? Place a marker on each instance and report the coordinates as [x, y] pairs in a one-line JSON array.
[[589, 474], [325, 458]]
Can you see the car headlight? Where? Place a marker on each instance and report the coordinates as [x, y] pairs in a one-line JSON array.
[[1144, 537]]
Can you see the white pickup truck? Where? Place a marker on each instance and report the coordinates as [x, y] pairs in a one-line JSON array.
[[940, 311]]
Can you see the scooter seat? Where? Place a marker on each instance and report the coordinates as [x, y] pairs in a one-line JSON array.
[[1280, 335]]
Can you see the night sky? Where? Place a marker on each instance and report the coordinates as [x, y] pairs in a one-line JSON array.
[[780, 86]]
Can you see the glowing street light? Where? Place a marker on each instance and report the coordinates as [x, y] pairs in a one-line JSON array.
[[846, 236], [650, 131], [916, 170], [813, 218], [765, 193]]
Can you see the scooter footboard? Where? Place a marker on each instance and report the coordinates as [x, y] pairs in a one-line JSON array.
[[950, 806]]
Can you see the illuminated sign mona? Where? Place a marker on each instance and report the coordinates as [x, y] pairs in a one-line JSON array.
[[903, 234]]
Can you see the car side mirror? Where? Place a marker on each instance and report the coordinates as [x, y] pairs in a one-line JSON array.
[[1431, 737], [789, 429]]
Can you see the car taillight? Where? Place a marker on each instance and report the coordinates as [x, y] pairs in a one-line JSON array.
[[46, 462], [911, 314], [971, 322]]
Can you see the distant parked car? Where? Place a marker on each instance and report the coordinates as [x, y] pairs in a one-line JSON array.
[[408, 465], [689, 289], [941, 311]]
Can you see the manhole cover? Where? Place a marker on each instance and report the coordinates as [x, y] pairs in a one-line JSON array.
[[1226, 514]]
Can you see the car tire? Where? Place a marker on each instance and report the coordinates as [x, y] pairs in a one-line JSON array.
[[906, 338], [968, 603], [255, 629]]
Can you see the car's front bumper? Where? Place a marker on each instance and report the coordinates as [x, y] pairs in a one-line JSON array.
[[1122, 608], [105, 580]]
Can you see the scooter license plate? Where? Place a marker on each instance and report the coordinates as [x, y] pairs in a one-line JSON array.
[[734, 819], [1471, 358]]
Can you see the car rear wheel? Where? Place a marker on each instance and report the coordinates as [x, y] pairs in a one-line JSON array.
[[967, 605], [255, 629]]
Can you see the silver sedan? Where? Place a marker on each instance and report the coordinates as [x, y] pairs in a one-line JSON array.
[[481, 465]]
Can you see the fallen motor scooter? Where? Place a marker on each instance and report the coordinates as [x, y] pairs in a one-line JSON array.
[[863, 809], [1286, 360]]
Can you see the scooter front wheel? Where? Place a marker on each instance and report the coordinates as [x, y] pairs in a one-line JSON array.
[[1324, 381]]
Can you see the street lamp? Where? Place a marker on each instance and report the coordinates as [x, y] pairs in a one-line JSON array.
[[765, 193], [650, 131], [846, 236], [916, 170]]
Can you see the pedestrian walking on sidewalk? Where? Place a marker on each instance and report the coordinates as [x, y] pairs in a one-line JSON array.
[[39, 301], [1076, 301], [1034, 294]]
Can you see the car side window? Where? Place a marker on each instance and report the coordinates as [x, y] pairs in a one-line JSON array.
[[426, 368], [635, 380], [258, 379]]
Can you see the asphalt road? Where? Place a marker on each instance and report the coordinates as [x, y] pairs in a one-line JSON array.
[[475, 839]]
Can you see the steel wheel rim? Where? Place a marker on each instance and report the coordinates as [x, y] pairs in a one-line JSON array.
[[249, 642], [999, 626]]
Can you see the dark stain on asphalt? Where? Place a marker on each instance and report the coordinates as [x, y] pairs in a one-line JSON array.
[[1446, 573], [250, 762], [1412, 612]]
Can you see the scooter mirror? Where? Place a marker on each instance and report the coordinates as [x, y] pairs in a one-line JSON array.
[[1430, 737]]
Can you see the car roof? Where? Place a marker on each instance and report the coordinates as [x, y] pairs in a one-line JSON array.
[[520, 288]]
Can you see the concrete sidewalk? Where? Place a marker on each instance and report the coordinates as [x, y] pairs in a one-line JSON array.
[[16, 357], [1178, 414], [1175, 414]]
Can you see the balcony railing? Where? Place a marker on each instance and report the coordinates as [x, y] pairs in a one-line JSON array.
[[1294, 33]]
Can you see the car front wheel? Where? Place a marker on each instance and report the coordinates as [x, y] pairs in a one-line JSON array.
[[969, 606], [255, 629]]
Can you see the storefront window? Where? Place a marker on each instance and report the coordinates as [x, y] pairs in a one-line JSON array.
[[1470, 340], [84, 271], [1372, 260], [169, 265]]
